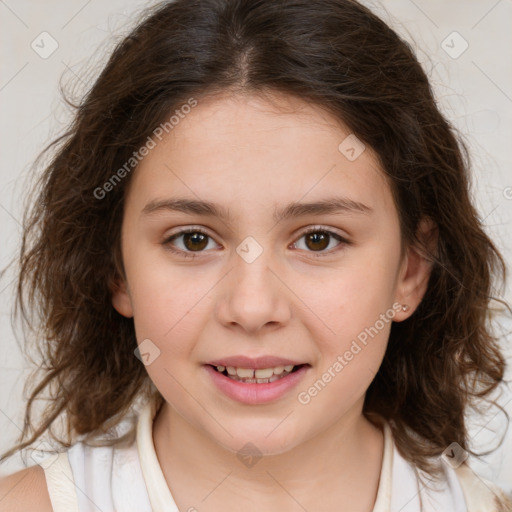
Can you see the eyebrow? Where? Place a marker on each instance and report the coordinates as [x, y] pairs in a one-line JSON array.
[[333, 205]]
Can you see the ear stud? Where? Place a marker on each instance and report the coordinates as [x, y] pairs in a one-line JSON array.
[[405, 307]]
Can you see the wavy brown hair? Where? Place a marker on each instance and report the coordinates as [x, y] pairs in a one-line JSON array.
[[335, 54]]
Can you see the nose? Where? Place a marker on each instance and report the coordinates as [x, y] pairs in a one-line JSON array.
[[253, 297]]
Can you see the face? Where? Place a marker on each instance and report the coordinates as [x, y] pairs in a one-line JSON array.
[[227, 267]]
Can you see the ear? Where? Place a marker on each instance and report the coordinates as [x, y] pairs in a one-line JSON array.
[[121, 298], [415, 269]]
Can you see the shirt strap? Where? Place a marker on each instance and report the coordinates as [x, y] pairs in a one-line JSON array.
[[60, 483], [383, 500], [480, 494]]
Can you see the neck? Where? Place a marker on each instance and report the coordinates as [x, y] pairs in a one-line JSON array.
[[340, 465]]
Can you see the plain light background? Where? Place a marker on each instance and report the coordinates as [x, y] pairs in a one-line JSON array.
[[464, 45]]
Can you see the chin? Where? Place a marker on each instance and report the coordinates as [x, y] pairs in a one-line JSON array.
[[268, 438]]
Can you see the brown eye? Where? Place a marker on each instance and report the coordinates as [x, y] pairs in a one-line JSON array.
[[320, 241], [317, 241], [186, 243], [196, 241]]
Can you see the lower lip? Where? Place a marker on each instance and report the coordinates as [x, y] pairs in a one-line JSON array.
[[252, 393]]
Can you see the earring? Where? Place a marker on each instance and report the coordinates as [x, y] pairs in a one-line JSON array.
[[405, 307]]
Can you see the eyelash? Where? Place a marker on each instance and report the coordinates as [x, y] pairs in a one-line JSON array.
[[314, 229]]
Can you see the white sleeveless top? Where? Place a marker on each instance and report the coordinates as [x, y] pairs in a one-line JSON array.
[[130, 479]]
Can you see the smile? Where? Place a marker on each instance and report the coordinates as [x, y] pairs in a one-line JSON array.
[[259, 376], [254, 386]]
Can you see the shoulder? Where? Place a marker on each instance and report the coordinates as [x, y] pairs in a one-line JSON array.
[[454, 488], [480, 494], [25, 490]]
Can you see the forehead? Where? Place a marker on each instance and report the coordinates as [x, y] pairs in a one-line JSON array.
[[244, 150]]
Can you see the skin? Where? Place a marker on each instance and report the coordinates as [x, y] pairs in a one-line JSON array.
[[251, 156]]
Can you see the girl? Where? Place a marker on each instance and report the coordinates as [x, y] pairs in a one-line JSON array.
[[258, 277]]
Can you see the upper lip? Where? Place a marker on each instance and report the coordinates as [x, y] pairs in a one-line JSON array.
[[254, 362]]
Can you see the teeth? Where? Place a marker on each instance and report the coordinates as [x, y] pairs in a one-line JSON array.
[[245, 373], [261, 375]]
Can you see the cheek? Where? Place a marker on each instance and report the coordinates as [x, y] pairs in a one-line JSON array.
[[352, 316], [353, 297], [348, 360], [167, 316], [164, 295]]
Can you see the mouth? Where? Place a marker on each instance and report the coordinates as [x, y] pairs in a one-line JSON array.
[[257, 375], [269, 379]]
